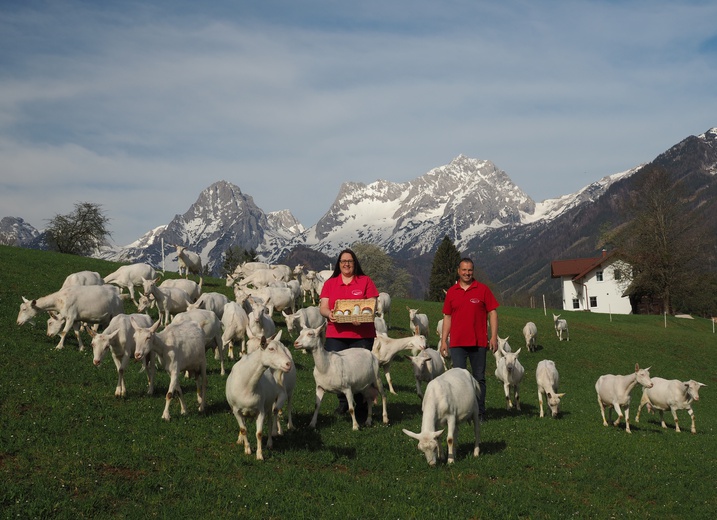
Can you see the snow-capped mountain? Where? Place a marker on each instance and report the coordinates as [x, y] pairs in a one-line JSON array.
[[221, 217], [469, 200], [15, 231], [462, 200]]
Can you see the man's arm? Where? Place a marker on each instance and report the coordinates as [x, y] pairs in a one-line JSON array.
[[445, 332], [493, 320]]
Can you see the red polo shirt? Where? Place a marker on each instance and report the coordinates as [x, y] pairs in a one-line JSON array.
[[359, 288], [469, 310]]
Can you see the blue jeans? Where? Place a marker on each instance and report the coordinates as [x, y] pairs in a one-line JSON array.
[[339, 344], [477, 357]]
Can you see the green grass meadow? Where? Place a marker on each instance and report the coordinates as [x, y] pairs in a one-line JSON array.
[[70, 449]]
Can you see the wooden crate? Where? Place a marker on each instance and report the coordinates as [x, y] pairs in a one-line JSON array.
[[345, 311]]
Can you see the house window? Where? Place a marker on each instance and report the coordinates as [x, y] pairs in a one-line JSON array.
[[576, 303], [617, 274], [593, 301], [598, 276]]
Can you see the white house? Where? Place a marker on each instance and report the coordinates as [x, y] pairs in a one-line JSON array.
[[593, 284]]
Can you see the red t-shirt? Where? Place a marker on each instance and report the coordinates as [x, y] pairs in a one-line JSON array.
[[359, 288], [469, 310]]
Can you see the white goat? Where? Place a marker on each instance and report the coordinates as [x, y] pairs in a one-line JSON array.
[[118, 338], [385, 349], [188, 262], [380, 325], [560, 326], [211, 301], [260, 278], [308, 287], [282, 272], [260, 323], [181, 349], [252, 390], [192, 288], [287, 380], [670, 395], [450, 398], [170, 300], [510, 372], [427, 365], [546, 375], [235, 322], [71, 306], [530, 333], [614, 391], [303, 318], [130, 276], [383, 307], [349, 371], [212, 328], [418, 323], [83, 278]]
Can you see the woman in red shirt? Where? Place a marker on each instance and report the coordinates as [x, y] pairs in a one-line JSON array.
[[347, 283]]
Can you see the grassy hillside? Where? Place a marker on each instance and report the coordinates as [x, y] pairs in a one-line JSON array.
[[70, 449]]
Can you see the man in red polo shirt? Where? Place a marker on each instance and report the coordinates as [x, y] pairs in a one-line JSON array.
[[468, 307]]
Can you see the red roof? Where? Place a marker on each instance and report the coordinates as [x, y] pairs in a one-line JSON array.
[[578, 267]]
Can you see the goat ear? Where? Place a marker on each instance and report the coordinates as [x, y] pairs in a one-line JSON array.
[[262, 341], [637, 367], [561, 395], [437, 434]]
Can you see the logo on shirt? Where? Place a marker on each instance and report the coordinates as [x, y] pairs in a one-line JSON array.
[[475, 300], [357, 292]]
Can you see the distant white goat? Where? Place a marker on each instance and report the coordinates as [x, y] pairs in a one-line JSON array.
[[118, 338], [530, 333], [670, 395], [349, 371], [130, 276], [192, 288], [212, 328], [510, 372], [235, 322], [211, 301], [303, 318], [450, 398], [547, 378], [252, 391], [385, 349], [380, 325], [83, 278], [170, 300], [418, 323], [181, 349], [560, 326], [260, 323], [427, 365], [383, 307], [188, 262], [614, 391]]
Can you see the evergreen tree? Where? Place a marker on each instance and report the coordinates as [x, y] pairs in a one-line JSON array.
[[444, 271]]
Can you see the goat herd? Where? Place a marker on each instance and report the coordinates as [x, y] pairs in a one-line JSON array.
[[261, 383]]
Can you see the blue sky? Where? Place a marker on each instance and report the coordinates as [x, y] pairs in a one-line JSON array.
[[139, 106]]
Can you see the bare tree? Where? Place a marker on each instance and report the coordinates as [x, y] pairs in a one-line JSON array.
[[80, 232], [662, 241]]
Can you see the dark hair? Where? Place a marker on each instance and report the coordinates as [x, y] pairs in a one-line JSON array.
[[357, 266], [466, 259]]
